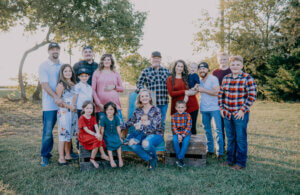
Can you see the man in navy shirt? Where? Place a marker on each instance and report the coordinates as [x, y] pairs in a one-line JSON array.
[[87, 63]]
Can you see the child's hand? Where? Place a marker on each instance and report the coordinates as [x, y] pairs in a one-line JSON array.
[[137, 126], [73, 108], [179, 138], [98, 136]]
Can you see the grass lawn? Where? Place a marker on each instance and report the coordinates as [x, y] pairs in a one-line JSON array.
[[272, 166]]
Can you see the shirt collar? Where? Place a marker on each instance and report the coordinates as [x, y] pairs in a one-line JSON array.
[[50, 62], [184, 113], [238, 77]]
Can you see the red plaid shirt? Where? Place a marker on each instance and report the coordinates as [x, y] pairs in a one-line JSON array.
[[181, 123], [237, 94]]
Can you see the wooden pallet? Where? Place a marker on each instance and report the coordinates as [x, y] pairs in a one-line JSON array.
[[195, 155]]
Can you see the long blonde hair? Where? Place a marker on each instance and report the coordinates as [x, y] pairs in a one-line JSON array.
[[138, 103]]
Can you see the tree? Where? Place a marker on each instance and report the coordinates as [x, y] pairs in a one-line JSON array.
[[131, 67], [251, 29], [110, 25]]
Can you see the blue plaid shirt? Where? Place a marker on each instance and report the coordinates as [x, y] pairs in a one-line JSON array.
[[156, 81]]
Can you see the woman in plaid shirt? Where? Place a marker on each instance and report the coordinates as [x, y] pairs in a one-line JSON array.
[[237, 94]]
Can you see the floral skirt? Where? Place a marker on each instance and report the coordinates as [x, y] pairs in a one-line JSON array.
[[67, 124]]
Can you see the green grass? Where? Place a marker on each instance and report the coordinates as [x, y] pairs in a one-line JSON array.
[[272, 166]]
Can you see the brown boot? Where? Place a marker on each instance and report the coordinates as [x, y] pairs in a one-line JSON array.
[[237, 167]]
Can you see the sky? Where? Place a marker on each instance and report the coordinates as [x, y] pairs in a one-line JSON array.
[[169, 28]]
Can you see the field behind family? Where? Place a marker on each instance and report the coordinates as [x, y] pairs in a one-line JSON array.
[[272, 167]]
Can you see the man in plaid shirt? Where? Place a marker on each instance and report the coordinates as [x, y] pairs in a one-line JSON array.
[[237, 94], [154, 78], [181, 124]]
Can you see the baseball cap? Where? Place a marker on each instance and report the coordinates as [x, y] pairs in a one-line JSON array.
[[53, 44], [156, 54], [87, 47], [83, 70], [203, 65]]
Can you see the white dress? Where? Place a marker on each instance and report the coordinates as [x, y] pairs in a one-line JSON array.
[[66, 119]]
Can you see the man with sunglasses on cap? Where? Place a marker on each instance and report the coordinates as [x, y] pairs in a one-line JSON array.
[[209, 108], [154, 78], [48, 76], [87, 63]]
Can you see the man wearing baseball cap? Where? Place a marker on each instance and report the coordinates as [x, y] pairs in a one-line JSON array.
[[87, 63], [209, 108], [48, 76], [154, 78]]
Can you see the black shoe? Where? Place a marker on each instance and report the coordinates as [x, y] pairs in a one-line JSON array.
[[220, 158], [153, 162], [63, 164], [180, 163], [210, 154]]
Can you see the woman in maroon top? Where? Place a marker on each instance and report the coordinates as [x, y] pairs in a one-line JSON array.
[[178, 86]]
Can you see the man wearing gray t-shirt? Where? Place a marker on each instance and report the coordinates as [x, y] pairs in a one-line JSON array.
[[209, 108]]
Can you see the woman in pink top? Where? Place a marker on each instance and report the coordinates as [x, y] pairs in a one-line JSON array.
[[106, 84]]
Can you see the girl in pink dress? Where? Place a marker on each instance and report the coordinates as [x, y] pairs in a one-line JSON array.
[[107, 84]]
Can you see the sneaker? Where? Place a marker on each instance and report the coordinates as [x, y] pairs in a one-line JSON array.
[[220, 158], [209, 153], [153, 162], [180, 163], [45, 161], [74, 156]]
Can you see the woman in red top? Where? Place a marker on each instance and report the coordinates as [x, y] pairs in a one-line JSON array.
[[89, 134], [178, 86]]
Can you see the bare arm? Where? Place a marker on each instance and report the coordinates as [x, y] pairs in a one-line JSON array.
[[48, 90], [213, 92], [89, 131]]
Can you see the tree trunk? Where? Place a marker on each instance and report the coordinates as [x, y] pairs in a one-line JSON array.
[[20, 76], [36, 94], [222, 25]]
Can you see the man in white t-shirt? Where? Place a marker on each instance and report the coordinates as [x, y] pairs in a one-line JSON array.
[[48, 76]]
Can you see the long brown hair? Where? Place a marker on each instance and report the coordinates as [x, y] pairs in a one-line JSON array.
[[101, 64], [62, 79], [85, 104], [185, 73]]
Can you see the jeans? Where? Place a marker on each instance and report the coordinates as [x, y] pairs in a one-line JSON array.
[[180, 152], [79, 113], [223, 131], [163, 110], [236, 131], [206, 120], [148, 151], [100, 115], [194, 116], [49, 120]]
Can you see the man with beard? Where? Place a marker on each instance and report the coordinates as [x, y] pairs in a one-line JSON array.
[[209, 108], [87, 63], [48, 76]]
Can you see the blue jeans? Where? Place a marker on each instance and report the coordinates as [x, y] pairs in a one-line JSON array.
[[236, 131], [206, 120], [180, 152], [100, 115], [163, 110], [148, 151], [49, 120]]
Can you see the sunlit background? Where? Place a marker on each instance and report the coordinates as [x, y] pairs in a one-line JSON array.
[[170, 27]]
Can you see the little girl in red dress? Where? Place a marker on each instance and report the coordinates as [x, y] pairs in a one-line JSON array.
[[89, 134]]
